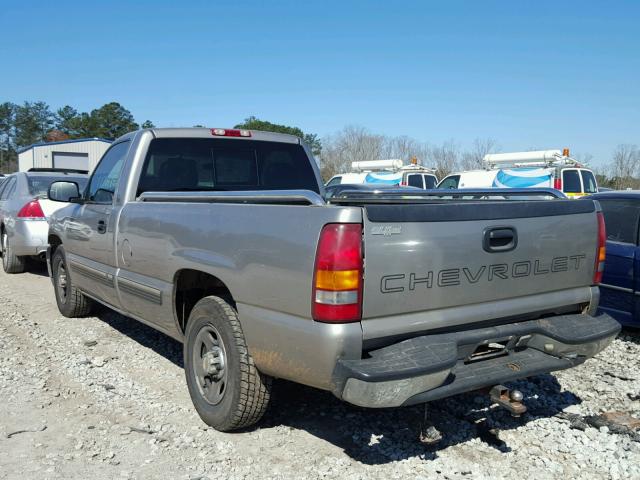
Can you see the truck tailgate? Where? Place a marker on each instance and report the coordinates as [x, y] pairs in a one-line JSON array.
[[430, 257]]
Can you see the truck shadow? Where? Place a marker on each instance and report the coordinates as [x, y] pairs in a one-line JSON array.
[[387, 435], [373, 436], [146, 336]]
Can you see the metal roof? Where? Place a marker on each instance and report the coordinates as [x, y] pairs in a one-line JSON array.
[[76, 140]]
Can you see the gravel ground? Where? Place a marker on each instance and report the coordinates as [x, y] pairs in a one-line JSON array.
[[105, 397]]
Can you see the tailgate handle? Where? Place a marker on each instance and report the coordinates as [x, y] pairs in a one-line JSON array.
[[499, 239]]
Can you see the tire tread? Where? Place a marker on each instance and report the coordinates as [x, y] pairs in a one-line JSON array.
[[13, 263], [255, 388], [78, 305]]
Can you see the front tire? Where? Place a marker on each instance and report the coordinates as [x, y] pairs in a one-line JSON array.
[[71, 302], [226, 388], [11, 263]]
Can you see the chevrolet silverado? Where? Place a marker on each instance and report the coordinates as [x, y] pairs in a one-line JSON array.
[[223, 239]]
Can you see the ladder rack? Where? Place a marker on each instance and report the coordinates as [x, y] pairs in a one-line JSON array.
[[540, 158]]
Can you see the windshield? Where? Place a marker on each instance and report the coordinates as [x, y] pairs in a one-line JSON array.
[[39, 184], [450, 182], [334, 181]]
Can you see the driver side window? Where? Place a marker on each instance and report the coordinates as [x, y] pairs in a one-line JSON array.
[[105, 177]]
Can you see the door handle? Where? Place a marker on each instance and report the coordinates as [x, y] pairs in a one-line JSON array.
[[499, 239], [102, 226]]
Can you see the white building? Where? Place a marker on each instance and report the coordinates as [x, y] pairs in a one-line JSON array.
[[80, 154]]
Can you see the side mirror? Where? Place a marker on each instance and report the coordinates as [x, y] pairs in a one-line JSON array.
[[63, 192]]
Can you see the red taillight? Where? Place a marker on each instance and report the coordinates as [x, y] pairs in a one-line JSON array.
[[337, 279], [557, 183], [601, 251], [228, 132], [31, 210], [403, 184]]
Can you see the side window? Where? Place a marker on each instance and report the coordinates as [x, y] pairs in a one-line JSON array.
[[10, 186], [415, 180], [621, 219], [571, 181], [430, 181], [450, 182], [589, 181], [104, 180], [334, 181]]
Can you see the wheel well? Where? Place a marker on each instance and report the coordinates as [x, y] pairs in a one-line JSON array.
[[54, 242], [193, 285]]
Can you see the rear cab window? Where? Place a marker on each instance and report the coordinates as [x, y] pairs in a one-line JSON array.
[[415, 180], [571, 181], [199, 164], [621, 218]]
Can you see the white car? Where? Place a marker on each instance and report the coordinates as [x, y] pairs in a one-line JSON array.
[[24, 209]]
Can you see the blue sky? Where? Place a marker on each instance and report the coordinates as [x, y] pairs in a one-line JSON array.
[[528, 74]]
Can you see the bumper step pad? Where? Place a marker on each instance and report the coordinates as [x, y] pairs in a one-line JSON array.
[[535, 347]]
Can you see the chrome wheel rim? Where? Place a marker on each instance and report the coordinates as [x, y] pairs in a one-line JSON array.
[[210, 364], [62, 283]]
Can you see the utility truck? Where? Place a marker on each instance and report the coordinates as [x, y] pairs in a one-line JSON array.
[[537, 169], [388, 172]]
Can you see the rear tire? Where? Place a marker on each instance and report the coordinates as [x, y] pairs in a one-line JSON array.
[[226, 388], [11, 263], [71, 302]]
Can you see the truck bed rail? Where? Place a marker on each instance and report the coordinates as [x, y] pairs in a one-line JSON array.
[[436, 195], [286, 197]]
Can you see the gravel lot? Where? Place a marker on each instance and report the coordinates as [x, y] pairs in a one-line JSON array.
[[105, 397]]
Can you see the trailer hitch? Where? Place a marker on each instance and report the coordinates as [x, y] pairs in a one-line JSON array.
[[510, 400], [429, 434]]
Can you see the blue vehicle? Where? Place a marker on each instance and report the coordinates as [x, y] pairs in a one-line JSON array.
[[620, 287]]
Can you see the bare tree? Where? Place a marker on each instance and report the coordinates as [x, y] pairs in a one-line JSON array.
[[444, 158], [583, 158], [625, 166], [403, 147], [351, 144], [472, 158]]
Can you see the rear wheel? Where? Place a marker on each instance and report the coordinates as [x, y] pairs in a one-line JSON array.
[[71, 302], [11, 263], [226, 388]]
